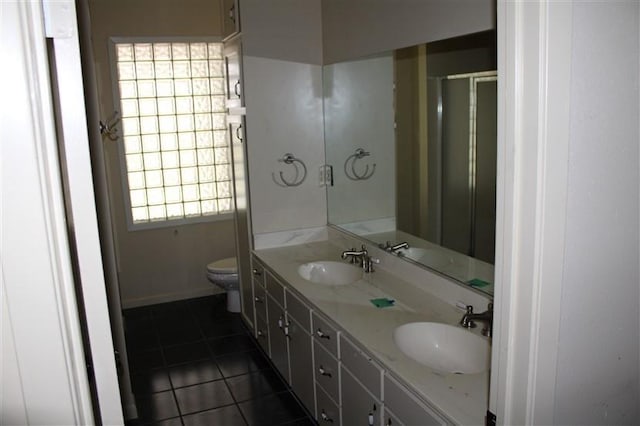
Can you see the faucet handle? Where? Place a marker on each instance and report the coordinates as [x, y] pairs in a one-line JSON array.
[[368, 263], [466, 321]]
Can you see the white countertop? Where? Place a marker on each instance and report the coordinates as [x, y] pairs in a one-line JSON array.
[[463, 399]]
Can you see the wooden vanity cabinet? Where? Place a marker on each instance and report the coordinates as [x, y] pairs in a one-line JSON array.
[[287, 321], [332, 374]]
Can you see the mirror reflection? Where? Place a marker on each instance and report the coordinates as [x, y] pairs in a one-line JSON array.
[[411, 137]]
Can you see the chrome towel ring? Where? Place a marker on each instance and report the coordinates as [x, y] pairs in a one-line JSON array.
[[350, 166], [298, 165]]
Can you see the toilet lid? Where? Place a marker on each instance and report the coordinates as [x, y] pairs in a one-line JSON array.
[[223, 266]]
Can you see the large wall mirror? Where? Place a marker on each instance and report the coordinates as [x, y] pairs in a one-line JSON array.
[[411, 137]]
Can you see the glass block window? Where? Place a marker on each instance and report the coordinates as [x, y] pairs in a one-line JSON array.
[[173, 123]]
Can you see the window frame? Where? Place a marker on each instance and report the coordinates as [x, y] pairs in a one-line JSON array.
[[116, 101]]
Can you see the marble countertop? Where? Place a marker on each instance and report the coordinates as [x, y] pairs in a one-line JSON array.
[[462, 399]]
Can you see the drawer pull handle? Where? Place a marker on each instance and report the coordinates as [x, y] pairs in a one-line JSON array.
[[370, 419], [323, 372], [256, 272], [280, 322], [321, 334], [236, 88], [389, 423], [325, 417]]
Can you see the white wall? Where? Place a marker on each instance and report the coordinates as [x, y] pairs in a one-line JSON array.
[[284, 115], [282, 48], [288, 30], [359, 113], [598, 370]]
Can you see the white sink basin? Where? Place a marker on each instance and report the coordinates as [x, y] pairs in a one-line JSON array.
[[442, 347], [328, 272]]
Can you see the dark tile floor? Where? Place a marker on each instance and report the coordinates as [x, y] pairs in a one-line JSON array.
[[194, 363]]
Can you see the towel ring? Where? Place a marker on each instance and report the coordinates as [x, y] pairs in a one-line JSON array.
[[350, 166], [298, 164]]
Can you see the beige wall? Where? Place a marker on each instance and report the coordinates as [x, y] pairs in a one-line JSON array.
[[167, 263], [287, 30], [351, 29]]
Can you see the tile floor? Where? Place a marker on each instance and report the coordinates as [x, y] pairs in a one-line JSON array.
[[194, 363]]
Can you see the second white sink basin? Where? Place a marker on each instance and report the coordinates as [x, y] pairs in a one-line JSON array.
[[442, 347], [328, 272]]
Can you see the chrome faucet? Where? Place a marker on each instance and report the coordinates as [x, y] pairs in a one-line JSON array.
[[362, 257], [356, 256], [392, 248], [469, 318]]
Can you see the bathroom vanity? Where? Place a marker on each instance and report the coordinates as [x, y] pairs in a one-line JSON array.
[[337, 350]]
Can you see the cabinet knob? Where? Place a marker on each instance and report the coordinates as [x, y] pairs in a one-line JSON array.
[[258, 300], [322, 335], [326, 418], [260, 333], [256, 272]]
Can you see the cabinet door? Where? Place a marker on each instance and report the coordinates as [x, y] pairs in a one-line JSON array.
[[233, 74], [358, 406], [278, 339], [230, 18], [389, 419], [301, 364], [406, 406], [241, 215], [327, 411]]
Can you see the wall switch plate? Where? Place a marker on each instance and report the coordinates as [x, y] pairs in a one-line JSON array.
[[326, 175]]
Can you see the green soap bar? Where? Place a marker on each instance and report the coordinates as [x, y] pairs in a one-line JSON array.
[[476, 282], [382, 303]]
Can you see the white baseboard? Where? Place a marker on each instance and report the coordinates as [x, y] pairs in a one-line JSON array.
[[171, 297]]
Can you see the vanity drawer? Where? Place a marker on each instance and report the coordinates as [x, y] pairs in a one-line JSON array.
[[328, 412], [300, 312], [327, 372], [325, 334], [260, 300], [406, 406], [262, 334], [275, 289], [257, 271], [362, 366]]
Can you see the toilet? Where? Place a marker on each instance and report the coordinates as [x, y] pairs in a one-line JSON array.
[[224, 274]]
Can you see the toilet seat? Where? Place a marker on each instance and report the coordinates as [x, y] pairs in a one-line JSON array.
[[223, 266]]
